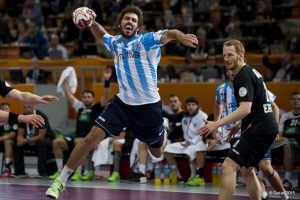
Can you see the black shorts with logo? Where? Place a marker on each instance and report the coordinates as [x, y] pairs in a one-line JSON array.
[[251, 148], [145, 121]]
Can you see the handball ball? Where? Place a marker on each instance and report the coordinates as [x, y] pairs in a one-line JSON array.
[[83, 17]]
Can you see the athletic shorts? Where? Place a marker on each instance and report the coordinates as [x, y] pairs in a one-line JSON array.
[[145, 121], [70, 142], [251, 148]]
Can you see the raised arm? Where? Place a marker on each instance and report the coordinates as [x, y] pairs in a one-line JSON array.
[[105, 97], [186, 39], [98, 31], [71, 98]]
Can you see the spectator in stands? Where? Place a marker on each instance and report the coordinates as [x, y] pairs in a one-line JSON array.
[[22, 31], [203, 46], [68, 32], [289, 131], [7, 136], [233, 28], [293, 39], [263, 8], [283, 70], [192, 146], [37, 40], [211, 72], [56, 50], [36, 75], [172, 74], [12, 29], [37, 140], [33, 12], [86, 114], [190, 72], [4, 32]]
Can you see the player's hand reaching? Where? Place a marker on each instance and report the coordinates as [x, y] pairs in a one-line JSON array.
[[35, 120], [185, 143], [189, 40], [208, 128], [45, 99], [232, 132]]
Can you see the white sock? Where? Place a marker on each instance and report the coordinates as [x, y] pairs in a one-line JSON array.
[[65, 173], [8, 160], [264, 195], [79, 169], [59, 163], [284, 195], [142, 168], [287, 175], [193, 170]]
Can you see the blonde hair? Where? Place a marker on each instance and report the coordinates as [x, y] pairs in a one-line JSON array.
[[238, 45]]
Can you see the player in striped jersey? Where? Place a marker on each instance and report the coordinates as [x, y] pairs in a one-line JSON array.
[[137, 106]]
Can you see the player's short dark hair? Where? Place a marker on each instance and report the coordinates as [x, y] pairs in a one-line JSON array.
[[132, 9], [173, 95], [89, 92], [295, 93], [192, 99]]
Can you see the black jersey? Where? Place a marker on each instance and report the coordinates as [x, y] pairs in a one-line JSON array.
[[250, 87], [86, 118], [30, 129], [5, 88]]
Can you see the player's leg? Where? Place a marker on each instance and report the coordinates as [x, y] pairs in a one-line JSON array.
[[252, 183], [77, 157], [229, 169], [272, 176], [59, 146]]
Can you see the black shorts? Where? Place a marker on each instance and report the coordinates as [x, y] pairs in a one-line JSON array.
[[70, 142], [251, 148], [145, 121]]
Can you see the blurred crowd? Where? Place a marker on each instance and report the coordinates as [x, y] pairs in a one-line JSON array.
[[45, 29]]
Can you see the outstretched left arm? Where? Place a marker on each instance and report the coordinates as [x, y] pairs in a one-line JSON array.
[[189, 40]]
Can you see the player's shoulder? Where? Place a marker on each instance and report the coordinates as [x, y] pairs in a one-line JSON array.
[[221, 86]]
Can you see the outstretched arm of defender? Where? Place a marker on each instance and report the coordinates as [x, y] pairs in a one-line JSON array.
[[189, 40], [98, 31]]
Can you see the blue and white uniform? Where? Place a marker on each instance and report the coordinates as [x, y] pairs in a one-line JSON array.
[[138, 105], [225, 96], [136, 61]]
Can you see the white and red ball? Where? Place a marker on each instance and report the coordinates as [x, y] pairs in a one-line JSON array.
[[83, 17]]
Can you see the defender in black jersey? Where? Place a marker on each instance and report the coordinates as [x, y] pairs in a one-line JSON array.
[[24, 97], [259, 126]]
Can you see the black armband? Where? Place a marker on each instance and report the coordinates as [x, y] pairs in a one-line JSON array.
[[13, 118], [106, 83]]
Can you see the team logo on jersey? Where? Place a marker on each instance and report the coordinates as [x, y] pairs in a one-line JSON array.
[[15, 127], [7, 84], [136, 46], [242, 92]]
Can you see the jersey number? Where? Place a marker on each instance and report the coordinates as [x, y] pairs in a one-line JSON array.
[[267, 108]]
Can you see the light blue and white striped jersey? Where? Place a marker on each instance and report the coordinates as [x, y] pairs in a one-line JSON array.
[[225, 96], [136, 61]]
